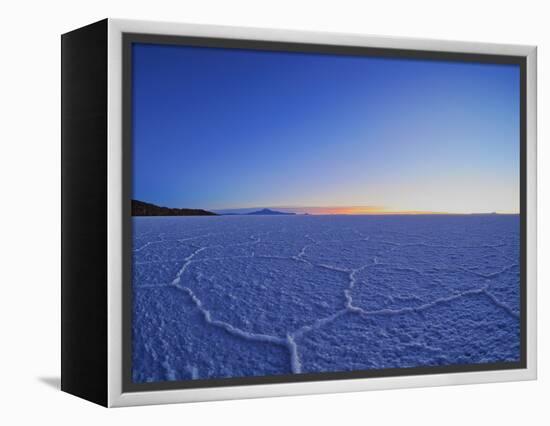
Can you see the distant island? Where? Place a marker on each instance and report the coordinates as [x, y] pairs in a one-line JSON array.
[[140, 208], [269, 212]]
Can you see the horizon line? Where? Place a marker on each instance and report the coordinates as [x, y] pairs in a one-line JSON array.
[[356, 211], [385, 213], [341, 210]]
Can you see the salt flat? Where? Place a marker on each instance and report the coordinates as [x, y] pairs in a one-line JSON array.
[[236, 296]]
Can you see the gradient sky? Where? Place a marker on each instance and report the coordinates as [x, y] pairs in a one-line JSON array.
[[231, 128]]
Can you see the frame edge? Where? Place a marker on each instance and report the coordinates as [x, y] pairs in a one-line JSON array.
[[84, 207], [116, 398]]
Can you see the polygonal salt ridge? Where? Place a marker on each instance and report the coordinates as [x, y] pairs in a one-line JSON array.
[[505, 288], [228, 239], [291, 337], [171, 251], [341, 255], [384, 287], [420, 257], [248, 293], [290, 249], [436, 334], [172, 338], [153, 274], [484, 261], [218, 252], [290, 342]]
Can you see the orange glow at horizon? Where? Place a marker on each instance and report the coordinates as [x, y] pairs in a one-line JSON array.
[[367, 210], [350, 210]]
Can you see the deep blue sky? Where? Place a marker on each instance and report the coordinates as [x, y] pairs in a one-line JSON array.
[[228, 128]]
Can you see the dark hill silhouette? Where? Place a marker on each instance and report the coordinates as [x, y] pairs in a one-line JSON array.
[[139, 208], [269, 212]]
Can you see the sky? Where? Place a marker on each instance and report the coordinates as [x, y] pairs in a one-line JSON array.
[[222, 129]]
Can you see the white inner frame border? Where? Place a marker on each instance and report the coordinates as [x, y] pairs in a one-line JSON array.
[[117, 398]]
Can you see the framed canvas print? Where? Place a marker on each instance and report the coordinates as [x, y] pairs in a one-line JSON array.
[[251, 212]]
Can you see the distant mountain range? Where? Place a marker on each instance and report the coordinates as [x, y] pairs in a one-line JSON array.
[[140, 208], [269, 212]]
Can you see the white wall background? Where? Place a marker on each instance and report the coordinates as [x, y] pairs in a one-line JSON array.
[[30, 200]]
